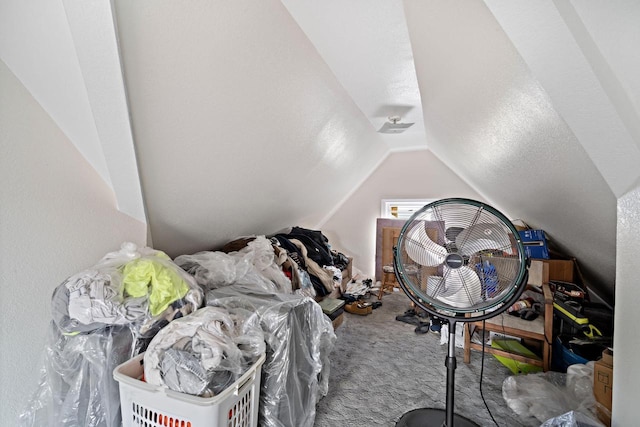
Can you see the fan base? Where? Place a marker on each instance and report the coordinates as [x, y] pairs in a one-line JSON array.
[[426, 417]]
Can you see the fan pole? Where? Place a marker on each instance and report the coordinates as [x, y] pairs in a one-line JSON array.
[[450, 363]]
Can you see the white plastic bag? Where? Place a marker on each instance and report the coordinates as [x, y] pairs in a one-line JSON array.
[[253, 265], [549, 395]]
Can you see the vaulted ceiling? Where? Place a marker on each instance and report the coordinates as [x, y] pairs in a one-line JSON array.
[[216, 119]]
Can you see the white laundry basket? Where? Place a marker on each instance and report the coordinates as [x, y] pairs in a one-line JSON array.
[[147, 405]]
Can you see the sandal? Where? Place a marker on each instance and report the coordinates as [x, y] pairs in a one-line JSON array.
[[360, 308]]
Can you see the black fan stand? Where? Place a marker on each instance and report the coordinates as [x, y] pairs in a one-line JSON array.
[[436, 417]]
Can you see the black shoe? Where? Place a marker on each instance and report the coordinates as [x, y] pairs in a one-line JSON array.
[[422, 328], [412, 320]]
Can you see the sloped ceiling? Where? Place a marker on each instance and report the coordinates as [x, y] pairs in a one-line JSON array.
[[497, 128], [252, 116], [366, 45], [66, 54], [240, 126]]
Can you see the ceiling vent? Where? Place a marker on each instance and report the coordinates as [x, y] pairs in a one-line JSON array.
[[393, 126]]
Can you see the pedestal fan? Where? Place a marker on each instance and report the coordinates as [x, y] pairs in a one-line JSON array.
[[471, 265]]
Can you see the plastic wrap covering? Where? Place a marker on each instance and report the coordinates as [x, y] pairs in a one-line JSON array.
[[76, 386], [253, 265], [572, 419], [306, 288], [544, 396], [133, 285], [299, 339], [101, 317], [205, 352]]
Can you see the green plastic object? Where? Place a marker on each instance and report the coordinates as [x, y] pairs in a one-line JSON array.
[[514, 346], [143, 277]]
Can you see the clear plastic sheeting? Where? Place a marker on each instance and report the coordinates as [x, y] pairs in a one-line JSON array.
[[101, 317], [255, 265], [132, 285], [572, 419], [541, 397], [306, 288], [299, 339], [76, 388], [205, 352]]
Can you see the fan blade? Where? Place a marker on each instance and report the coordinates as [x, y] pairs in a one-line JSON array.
[[481, 237], [437, 287], [421, 249], [467, 286]]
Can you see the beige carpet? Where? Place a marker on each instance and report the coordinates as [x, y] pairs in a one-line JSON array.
[[381, 369]]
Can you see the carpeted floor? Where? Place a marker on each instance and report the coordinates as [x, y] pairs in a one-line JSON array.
[[380, 369]]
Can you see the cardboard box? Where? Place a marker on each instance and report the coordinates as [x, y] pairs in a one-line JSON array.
[[604, 415], [535, 243], [603, 379]]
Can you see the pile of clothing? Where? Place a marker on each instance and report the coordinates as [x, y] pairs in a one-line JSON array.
[[101, 317], [258, 299], [299, 338], [205, 352], [256, 264], [312, 253], [265, 277]]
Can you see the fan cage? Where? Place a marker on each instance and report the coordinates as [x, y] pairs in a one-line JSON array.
[[460, 258]]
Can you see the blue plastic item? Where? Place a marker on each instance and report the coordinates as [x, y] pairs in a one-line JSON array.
[[562, 356], [488, 277]]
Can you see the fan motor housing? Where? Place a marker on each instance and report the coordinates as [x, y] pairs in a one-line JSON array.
[[454, 260]]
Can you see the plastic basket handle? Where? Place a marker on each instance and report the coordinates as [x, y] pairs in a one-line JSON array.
[[241, 387]]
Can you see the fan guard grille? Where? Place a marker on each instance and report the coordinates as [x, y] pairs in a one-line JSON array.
[[460, 258]]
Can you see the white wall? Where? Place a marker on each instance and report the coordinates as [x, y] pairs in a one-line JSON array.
[[57, 217], [626, 371], [37, 44], [489, 119], [409, 175], [240, 126], [66, 54]]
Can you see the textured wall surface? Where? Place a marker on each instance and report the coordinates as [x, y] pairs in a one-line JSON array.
[[414, 175], [57, 217], [247, 133], [626, 371], [493, 124]]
